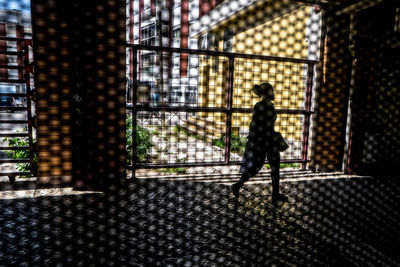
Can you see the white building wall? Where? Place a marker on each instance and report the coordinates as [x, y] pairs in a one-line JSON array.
[[176, 13], [177, 85], [135, 6], [193, 10], [12, 18], [313, 34]]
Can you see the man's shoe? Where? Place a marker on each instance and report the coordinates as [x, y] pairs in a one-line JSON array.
[[235, 190], [279, 197]]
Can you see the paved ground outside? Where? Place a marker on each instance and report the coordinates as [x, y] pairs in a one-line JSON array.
[[176, 142], [330, 220]]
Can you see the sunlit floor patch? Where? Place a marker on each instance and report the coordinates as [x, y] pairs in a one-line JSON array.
[[287, 175], [32, 193]]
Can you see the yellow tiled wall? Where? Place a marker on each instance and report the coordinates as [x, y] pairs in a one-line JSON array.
[[283, 36]]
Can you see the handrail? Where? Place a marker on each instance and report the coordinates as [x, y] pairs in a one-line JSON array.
[[24, 68], [211, 109], [15, 39], [220, 53], [12, 67]]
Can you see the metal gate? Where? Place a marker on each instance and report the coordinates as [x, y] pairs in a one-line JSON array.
[[16, 133], [193, 107]]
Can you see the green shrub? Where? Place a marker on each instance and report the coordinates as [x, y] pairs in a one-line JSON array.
[[238, 144], [285, 165], [20, 154], [156, 133], [144, 142], [178, 170], [180, 129]]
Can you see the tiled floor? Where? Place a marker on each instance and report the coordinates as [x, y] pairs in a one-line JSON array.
[[329, 220]]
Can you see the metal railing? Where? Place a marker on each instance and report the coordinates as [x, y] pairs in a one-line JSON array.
[[16, 102], [210, 129]]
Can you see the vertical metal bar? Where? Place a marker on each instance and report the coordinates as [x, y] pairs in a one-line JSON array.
[[134, 62], [306, 125], [169, 4], [131, 37], [347, 153], [27, 77], [184, 37], [153, 7], [141, 10], [20, 46], [3, 57], [229, 99], [320, 77]]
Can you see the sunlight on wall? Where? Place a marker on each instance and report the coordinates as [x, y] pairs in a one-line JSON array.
[[284, 36]]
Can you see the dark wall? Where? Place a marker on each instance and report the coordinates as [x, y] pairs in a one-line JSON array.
[[360, 68], [80, 66], [52, 49], [376, 98]]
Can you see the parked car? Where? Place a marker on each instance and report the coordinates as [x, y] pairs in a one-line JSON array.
[[7, 102], [19, 101]]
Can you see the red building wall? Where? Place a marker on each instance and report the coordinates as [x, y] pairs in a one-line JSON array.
[[3, 57], [207, 5]]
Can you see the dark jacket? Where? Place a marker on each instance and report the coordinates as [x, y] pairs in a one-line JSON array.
[[259, 140], [262, 123]]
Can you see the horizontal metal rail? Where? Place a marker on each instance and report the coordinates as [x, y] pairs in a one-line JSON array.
[[13, 121], [220, 53], [140, 107], [14, 134], [14, 94], [14, 147], [10, 174], [25, 69], [12, 109], [227, 106], [14, 161], [13, 39], [12, 67], [201, 164], [11, 81], [11, 53]]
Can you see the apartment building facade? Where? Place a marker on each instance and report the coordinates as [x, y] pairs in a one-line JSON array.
[[13, 23], [168, 77]]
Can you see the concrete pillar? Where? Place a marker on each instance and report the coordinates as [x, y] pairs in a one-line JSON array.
[[332, 95], [79, 50]]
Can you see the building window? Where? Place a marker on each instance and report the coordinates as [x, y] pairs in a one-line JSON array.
[[175, 95], [165, 30], [148, 34], [228, 40], [176, 33], [206, 41], [176, 41], [147, 63], [191, 95], [148, 59], [12, 60]]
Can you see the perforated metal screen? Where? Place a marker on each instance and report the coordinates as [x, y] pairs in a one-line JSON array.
[[183, 135]]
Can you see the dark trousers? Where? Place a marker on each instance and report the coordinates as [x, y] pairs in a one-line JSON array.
[[274, 160]]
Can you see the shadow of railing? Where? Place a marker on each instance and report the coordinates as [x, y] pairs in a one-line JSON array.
[[154, 222]]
